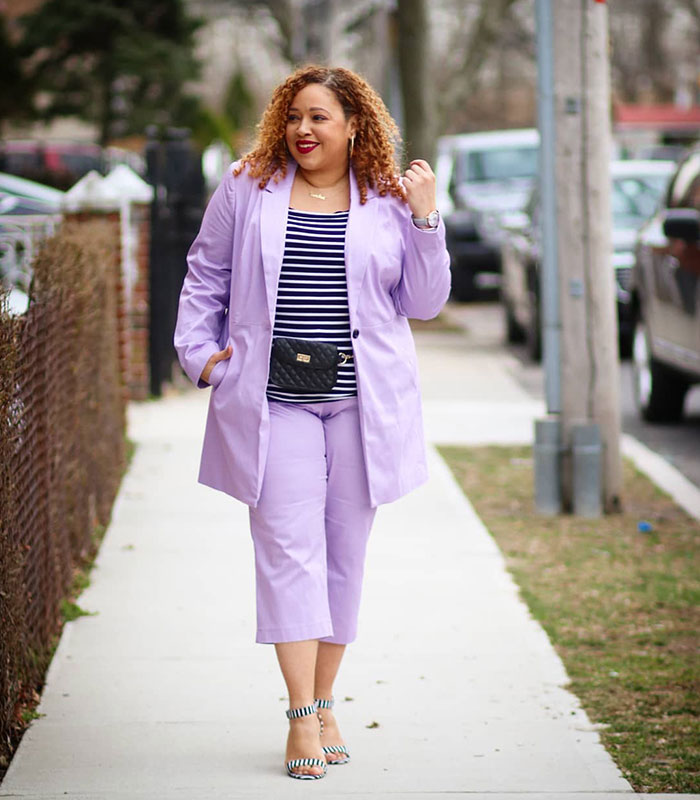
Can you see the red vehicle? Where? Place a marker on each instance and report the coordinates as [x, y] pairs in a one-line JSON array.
[[57, 164]]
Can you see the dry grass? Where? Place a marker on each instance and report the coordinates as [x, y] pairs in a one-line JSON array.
[[621, 608]]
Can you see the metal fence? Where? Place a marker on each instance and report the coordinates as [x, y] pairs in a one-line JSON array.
[[62, 448], [174, 168], [20, 237]]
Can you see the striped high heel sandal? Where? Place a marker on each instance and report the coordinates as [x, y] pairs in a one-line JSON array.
[[332, 748], [294, 713]]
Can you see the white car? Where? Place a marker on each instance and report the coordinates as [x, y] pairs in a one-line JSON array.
[[474, 168], [480, 177], [636, 190]]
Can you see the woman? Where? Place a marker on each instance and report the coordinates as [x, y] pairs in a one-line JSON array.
[[313, 235]]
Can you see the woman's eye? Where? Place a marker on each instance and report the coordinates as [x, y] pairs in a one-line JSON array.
[[315, 118]]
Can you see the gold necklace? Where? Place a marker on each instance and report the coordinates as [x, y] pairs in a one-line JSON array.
[[318, 195]]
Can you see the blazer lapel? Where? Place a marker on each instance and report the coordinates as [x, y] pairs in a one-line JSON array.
[[362, 221], [273, 225]]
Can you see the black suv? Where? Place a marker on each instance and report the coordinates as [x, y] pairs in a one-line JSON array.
[[665, 288]]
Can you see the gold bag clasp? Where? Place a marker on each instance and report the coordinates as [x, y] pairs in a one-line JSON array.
[[303, 357]]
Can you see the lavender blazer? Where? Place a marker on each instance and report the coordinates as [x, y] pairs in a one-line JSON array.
[[394, 271]]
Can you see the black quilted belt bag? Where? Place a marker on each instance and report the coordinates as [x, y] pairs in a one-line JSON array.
[[304, 365]]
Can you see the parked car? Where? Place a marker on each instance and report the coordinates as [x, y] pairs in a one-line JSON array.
[[62, 163], [57, 164], [665, 291], [636, 190], [665, 152], [481, 176]]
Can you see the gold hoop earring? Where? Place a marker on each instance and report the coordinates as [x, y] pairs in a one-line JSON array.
[[352, 145]]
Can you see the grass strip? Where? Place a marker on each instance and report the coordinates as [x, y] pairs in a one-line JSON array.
[[621, 607]]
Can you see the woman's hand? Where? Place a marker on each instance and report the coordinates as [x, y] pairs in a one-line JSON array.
[[213, 361], [419, 183]]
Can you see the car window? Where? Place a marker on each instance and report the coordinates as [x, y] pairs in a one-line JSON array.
[[496, 164], [635, 199], [683, 192]]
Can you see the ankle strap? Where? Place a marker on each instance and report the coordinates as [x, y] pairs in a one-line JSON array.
[[324, 703], [293, 713]]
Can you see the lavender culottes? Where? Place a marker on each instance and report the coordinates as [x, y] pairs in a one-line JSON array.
[[311, 524]]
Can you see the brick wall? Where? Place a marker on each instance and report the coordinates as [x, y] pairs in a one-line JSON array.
[[133, 312]]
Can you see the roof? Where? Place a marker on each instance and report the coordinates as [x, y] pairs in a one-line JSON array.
[[656, 117], [12, 184]]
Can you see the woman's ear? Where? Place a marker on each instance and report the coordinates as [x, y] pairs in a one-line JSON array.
[[352, 125]]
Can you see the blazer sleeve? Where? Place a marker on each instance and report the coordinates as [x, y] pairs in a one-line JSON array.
[[205, 292], [425, 277]]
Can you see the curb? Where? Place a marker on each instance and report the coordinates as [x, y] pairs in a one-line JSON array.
[[663, 474]]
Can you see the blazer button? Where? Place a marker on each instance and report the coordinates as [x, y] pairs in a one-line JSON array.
[[355, 333]]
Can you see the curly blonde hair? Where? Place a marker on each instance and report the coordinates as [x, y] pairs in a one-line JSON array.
[[373, 159]]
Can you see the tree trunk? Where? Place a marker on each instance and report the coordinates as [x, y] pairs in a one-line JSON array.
[[414, 67], [655, 22]]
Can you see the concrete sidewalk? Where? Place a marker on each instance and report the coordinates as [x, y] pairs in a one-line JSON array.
[[164, 694]]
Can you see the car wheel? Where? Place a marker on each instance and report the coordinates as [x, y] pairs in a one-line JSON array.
[[658, 390], [533, 334]]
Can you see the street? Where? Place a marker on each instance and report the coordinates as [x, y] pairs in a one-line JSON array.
[[677, 443]]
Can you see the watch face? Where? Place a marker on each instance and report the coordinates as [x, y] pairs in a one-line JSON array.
[[433, 219]]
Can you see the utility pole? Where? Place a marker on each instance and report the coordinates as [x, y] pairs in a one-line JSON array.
[[580, 336]]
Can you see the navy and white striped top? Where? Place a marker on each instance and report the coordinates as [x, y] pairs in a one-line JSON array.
[[312, 295]]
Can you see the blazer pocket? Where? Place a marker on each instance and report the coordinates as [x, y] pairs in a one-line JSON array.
[[217, 374], [219, 370]]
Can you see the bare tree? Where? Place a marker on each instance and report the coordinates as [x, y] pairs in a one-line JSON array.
[[693, 8], [475, 40], [414, 67], [647, 46]]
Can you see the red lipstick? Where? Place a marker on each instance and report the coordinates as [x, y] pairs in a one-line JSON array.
[[306, 146]]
